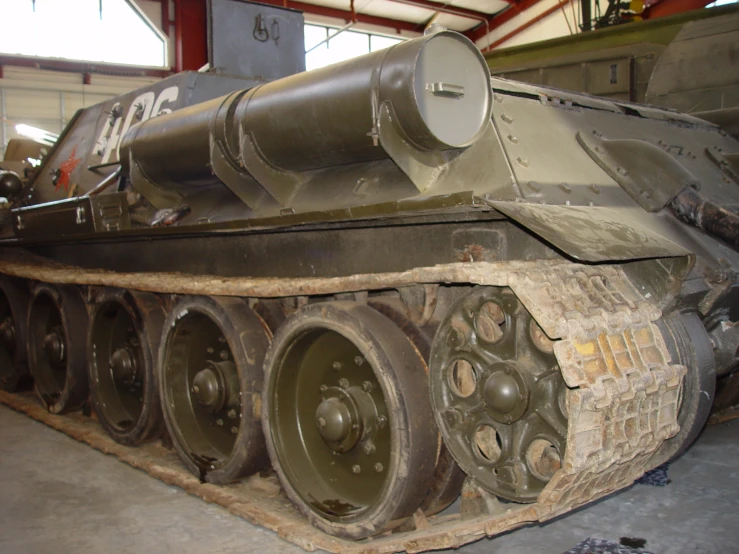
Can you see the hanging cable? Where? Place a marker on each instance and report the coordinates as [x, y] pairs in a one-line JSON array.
[[574, 15], [564, 14]]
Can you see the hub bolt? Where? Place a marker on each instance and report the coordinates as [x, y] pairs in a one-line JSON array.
[[369, 449], [323, 388], [224, 354], [356, 469], [232, 414], [336, 366], [381, 421], [344, 383], [367, 386], [378, 467], [358, 360], [234, 430], [219, 422]]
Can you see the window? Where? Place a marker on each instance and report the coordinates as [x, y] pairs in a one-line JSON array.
[[112, 31], [343, 46]]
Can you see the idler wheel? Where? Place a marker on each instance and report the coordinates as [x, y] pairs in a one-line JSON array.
[[346, 418], [57, 353], [498, 395], [13, 354], [210, 363], [122, 344]]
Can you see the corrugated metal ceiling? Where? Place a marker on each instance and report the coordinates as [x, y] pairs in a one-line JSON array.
[[459, 15]]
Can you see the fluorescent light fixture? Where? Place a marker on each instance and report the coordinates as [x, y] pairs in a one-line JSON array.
[[39, 135]]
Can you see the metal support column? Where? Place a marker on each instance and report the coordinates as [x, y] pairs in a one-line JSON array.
[[3, 124], [62, 116]]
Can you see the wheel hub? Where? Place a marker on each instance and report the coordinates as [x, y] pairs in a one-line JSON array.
[[333, 420], [7, 333], [124, 367], [344, 416], [209, 388], [505, 393], [54, 346]]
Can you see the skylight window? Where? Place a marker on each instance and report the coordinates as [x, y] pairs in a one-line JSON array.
[[111, 31], [343, 46]]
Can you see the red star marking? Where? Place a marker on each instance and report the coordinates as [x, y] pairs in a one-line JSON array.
[[66, 169]]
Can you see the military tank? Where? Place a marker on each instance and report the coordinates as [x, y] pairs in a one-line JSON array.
[[386, 280]]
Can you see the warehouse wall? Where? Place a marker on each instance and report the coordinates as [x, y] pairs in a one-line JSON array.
[[49, 99]]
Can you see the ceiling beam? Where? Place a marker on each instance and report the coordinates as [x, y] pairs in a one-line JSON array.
[[447, 8], [74, 66], [526, 25], [347, 15], [499, 19]]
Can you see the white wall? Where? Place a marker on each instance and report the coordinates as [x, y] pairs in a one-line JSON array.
[[49, 99]]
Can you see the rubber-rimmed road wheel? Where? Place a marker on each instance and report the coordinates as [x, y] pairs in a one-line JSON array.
[[689, 345], [13, 354], [122, 345], [347, 418], [210, 362], [57, 347], [446, 484]]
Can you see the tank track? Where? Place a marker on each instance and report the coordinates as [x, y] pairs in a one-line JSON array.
[[623, 398]]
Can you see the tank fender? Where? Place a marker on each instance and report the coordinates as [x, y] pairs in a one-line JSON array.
[[649, 174], [591, 233]]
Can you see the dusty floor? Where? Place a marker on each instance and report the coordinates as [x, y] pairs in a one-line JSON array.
[[58, 495]]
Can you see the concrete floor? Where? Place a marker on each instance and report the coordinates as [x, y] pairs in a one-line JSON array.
[[59, 496]]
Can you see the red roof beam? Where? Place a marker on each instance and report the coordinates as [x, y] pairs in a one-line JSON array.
[[529, 23], [661, 9], [347, 15], [499, 19], [447, 8]]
